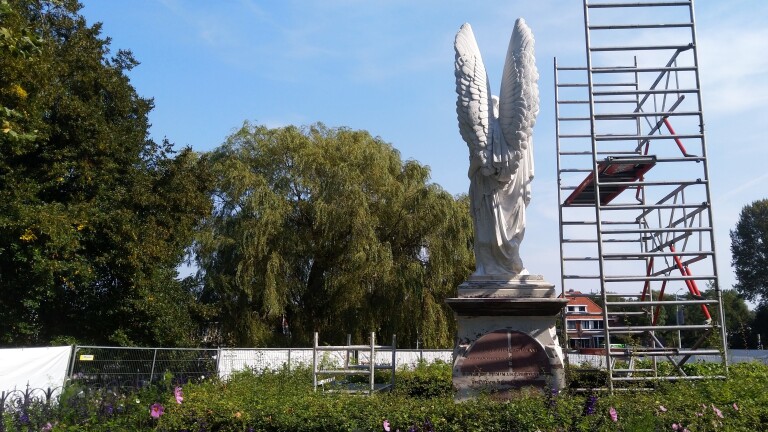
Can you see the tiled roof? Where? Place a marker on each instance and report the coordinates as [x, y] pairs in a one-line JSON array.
[[578, 300]]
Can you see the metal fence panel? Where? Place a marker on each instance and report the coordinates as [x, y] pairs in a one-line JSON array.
[[238, 359], [136, 367], [185, 364], [411, 358], [596, 361], [234, 360], [98, 366], [742, 356], [258, 359], [301, 357]]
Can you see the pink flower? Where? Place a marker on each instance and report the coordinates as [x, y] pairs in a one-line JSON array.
[[178, 394], [662, 408], [735, 407], [675, 426], [47, 428], [614, 414], [717, 411], [386, 425], [156, 410]]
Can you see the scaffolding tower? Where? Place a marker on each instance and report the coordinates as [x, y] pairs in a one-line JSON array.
[[634, 196]]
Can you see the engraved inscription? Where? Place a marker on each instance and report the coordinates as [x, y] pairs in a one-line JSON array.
[[505, 358]]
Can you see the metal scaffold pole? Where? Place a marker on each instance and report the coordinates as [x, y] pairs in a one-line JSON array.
[[634, 194]]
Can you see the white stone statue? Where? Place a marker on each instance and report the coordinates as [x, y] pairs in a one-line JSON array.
[[498, 132]]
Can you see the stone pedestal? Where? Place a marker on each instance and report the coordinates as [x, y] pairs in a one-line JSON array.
[[506, 335]]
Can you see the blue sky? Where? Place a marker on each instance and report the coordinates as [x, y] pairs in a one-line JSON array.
[[386, 66]]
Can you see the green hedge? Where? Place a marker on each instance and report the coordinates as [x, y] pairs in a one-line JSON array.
[[423, 401]]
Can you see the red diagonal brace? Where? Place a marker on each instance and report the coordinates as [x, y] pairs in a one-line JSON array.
[[677, 140], [658, 307], [692, 287], [647, 285]]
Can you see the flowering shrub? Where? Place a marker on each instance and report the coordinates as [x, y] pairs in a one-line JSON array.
[[614, 415], [156, 410], [284, 401], [177, 393]]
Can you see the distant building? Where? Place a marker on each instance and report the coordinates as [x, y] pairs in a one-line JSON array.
[[583, 322]]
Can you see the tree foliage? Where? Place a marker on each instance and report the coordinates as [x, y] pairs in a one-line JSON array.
[[94, 216], [759, 334], [749, 248], [16, 40], [738, 318], [330, 229]]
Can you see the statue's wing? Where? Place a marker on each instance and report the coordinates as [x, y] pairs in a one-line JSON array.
[[473, 105], [519, 103]]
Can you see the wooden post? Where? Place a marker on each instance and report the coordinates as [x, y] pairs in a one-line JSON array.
[[372, 365], [346, 357], [314, 363], [394, 360]]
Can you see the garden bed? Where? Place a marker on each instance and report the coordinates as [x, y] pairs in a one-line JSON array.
[[421, 401]]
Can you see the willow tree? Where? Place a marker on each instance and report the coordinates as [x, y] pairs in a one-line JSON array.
[[330, 230]]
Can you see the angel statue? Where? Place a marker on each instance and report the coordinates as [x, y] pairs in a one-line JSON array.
[[498, 132]]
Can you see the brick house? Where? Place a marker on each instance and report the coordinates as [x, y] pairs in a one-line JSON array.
[[583, 322]]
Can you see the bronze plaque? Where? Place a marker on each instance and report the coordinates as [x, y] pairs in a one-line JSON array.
[[504, 359]]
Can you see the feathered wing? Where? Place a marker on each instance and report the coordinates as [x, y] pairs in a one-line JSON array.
[[473, 105], [518, 106]]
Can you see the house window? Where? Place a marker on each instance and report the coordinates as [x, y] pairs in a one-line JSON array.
[[580, 343], [571, 324], [577, 309], [597, 324], [599, 341], [586, 325]]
